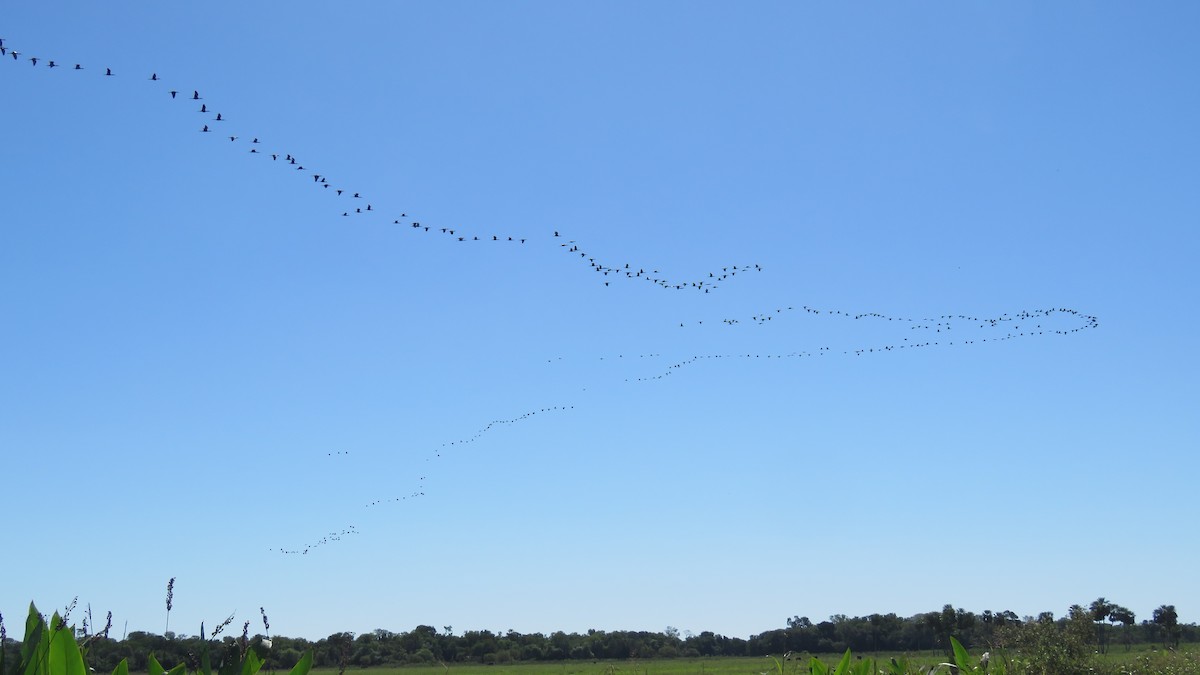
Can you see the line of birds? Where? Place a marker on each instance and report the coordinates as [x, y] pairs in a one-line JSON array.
[[327, 539], [494, 423], [654, 276], [365, 206], [1086, 321], [1021, 324]]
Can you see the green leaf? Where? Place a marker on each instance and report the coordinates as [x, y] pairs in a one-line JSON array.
[[961, 658], [205, 664], [36, 652], [251, 664], [843, 665], [35, 627], [179, 669], [153, 667], [817, 667], [303, 665], [122, 668], [65, 657]]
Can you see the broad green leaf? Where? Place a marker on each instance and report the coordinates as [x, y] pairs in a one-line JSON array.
[[36, 652], [844, 665], [817, 667], [34, 627], [65, 657], [122, 668], [961, 658], [153, 667], [205, 664], [179, 669], [303, 665], [251, 664]]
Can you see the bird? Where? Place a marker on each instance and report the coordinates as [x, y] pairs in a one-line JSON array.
[[195, 95], [219, 117], [173, 93], [33, 59], [51, 64], [78, 67], [154, 76], [203, 107], [205, 129], [232, 138], [108, 72]]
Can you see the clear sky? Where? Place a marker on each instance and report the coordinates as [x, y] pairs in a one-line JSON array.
[[205, 365]]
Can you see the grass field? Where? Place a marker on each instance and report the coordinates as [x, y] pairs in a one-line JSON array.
[[721, 665], [1143, 659]]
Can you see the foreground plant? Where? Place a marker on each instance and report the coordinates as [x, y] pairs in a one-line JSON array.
[[50, 648]]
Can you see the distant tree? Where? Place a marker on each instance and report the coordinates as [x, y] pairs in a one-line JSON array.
[[1125, 617], [1167, 619], [1101, 609]]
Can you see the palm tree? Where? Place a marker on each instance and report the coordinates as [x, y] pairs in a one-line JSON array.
[[1100, 610]]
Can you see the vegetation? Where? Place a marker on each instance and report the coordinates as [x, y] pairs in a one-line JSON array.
[[925, 643], [54, 648]]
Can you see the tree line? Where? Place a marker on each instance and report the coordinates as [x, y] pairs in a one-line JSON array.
[[1098, 626]]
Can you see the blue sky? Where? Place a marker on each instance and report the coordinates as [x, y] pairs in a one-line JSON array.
[[205, 363]]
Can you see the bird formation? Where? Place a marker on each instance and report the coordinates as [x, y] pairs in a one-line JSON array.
[[357, 205], [941, 331], [327, 539], [712, 282], [942, 325], [495, 423]]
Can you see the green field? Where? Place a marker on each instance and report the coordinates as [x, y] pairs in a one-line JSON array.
[[720, 665], [1142, 659]]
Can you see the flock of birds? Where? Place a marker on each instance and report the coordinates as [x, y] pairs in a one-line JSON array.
[[329, 538], [930, 332]]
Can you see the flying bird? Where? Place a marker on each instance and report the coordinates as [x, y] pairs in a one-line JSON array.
[[108, 72]]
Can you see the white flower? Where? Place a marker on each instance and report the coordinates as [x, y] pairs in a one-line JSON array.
[[266, 643]]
